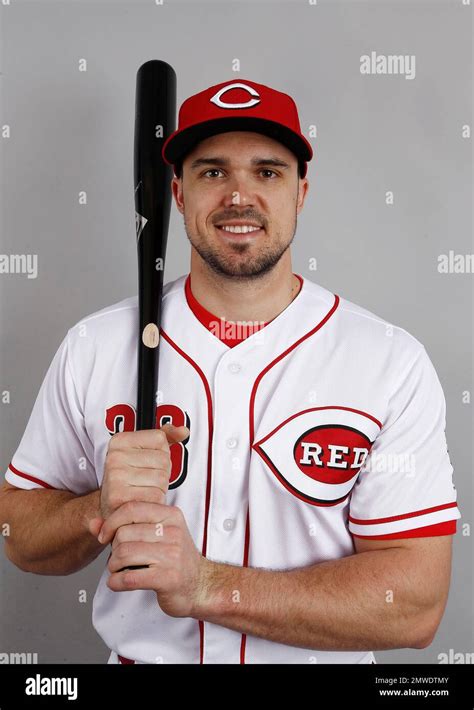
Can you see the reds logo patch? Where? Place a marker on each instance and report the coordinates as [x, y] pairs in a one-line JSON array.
[[253, 99], [317, 454]]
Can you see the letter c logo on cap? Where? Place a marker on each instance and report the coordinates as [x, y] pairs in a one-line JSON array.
[[216, 99]]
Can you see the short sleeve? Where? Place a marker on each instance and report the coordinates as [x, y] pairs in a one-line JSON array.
[[55, 450], [405, 488]]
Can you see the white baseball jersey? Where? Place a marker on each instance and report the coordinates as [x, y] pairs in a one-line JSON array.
[[325, 425]]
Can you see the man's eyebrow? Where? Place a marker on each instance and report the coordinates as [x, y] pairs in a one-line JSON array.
[[276, 162], [223, 162]]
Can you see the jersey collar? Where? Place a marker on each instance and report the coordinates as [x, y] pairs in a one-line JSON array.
[[222, 329]]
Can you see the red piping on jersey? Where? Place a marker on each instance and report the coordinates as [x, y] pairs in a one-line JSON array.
[[209, 463], [29, 478], [245, 563], [447, 528], [252, 428], [415, 513]]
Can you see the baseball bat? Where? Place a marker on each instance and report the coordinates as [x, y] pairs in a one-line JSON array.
[[155, 118]]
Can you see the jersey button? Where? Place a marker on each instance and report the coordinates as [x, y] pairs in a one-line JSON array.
[[231, 443], [229, 524], [234, 367]]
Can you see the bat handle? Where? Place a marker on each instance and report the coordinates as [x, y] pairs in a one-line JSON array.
[[150, 339]]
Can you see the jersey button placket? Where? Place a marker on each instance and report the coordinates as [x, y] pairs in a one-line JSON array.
[[229, 489]]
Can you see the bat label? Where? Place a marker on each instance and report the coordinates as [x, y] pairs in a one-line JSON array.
[[139, 224]]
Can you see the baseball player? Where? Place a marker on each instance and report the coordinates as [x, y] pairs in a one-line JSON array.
[[295, 503]]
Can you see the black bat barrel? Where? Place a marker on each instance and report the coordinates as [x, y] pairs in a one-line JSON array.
[[155, 120]]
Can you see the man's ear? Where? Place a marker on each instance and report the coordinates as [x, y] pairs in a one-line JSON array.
[[177, 190], [303, 186]]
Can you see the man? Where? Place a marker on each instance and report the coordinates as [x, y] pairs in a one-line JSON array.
[[297, 503]]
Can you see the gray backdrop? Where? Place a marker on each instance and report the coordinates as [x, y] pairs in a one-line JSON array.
[[72, 131]]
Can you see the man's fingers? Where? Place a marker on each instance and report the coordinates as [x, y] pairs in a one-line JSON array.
[[95, 525], [149, 438], [125, 493], [138, 467], [136, 554], [138, 458], [130, 579], [134, 512], [144, 494], [175, 434], [147, 477], [141, 532]]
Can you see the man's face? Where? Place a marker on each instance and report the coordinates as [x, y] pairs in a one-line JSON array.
[[240, 194]]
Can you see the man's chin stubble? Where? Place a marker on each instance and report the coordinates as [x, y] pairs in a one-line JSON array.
[[243, 270]]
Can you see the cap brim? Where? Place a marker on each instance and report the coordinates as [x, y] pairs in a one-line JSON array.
[[181, 142]]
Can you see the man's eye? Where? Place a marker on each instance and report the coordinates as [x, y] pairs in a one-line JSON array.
[[267, 170], [212, 170]]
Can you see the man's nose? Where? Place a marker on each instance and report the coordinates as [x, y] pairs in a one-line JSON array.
[[239, 192]]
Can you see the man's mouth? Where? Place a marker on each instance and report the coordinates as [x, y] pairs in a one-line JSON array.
[[239, 227]]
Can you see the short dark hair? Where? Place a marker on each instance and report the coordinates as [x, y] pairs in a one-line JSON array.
[[178, 168]]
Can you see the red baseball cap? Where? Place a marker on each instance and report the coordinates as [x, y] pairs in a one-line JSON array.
[[237, 105]]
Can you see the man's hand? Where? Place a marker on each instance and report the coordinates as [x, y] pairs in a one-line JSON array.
[[155, 535], [138, 467], [142, 528]]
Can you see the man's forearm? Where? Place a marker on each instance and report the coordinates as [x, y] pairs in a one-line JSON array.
[[47, 531], [367, 601]]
